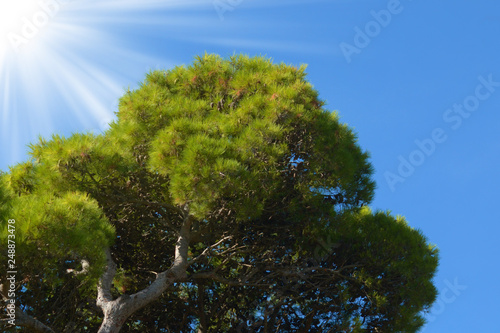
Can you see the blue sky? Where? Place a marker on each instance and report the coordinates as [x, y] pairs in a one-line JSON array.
[[419, 81]]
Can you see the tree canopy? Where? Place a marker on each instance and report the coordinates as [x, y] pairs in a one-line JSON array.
[[224, 198]]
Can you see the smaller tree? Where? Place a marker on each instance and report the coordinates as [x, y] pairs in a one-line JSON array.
[[54, 234]]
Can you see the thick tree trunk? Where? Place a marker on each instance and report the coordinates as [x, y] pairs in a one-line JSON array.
[[113, 319], [116, 311]]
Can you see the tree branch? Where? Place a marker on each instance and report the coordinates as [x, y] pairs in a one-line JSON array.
[[117, 311], [84, 270], [25, 320], [106, 281], [208, 249]]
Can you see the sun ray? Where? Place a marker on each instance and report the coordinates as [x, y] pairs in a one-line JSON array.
[[65, 63], [59, 68]]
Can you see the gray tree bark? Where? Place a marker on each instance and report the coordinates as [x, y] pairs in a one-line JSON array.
[[116, 311]]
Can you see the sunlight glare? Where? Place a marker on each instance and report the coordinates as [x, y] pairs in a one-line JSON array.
[[13, 13], [63, 63]]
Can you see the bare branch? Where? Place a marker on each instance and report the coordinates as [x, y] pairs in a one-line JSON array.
[[84, 270], [208, 249]]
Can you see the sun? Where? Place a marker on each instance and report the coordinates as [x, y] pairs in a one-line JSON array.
[[64, 63], [19, 19]]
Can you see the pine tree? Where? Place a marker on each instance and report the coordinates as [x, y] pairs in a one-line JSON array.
[[224, 198]]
